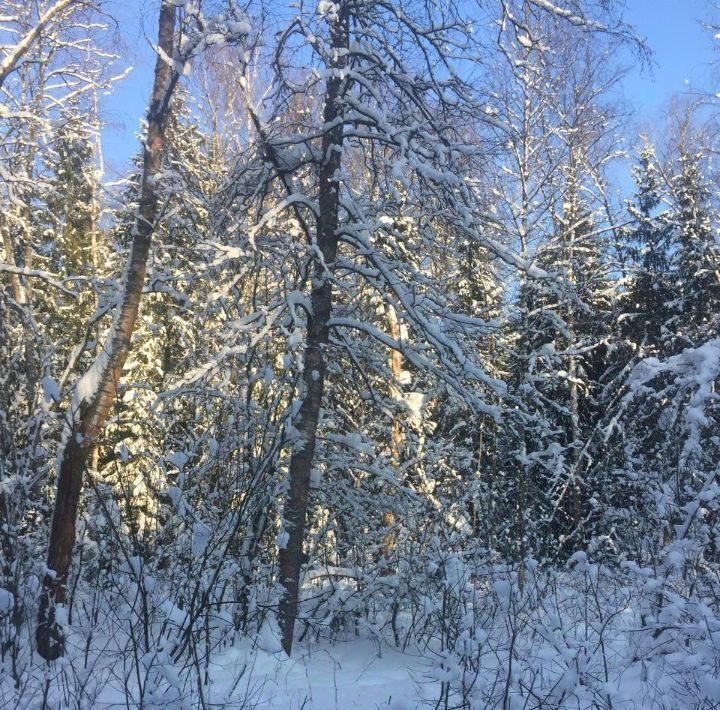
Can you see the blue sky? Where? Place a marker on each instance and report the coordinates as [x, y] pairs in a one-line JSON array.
[[682, 51], [125, 106]]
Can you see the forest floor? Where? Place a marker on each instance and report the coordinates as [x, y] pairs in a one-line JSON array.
[[355, 674], [588, 637]]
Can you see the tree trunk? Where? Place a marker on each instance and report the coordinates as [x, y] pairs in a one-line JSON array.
[[21, 295], [314, 369], [89, 411], [388, 544]]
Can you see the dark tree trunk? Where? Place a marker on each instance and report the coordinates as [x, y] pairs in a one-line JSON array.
[[314, 369], [87, 423]]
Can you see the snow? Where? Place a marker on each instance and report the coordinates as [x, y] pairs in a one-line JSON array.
[[327, 677], [351, 675], [696, 368], [576, 637], [393, 633], [51, 389], [327, 8], [502, 588], [238, 27], [177, 459], [201, 536], [87, 386], [525, 41], [61, 614], [282, 539], [415, 403], [365, 675], [7, 600]]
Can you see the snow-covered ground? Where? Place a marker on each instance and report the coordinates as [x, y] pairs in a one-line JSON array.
[[353, 674], [582, 637]]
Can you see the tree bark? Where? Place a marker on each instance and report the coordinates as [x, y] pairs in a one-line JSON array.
[[388, 544], [21, 296], [91, 413], [314, 368]]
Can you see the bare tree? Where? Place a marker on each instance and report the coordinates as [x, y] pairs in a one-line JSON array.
[[12, 58], [49, 80], [398, 113], [295, 511]]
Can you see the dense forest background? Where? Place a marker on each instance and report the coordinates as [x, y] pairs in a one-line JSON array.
[[395, 331]]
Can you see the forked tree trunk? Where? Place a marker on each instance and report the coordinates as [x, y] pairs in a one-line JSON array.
[[97, 389], [314, 368]]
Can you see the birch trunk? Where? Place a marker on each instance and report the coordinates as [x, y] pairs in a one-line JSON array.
[[102, 379]]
